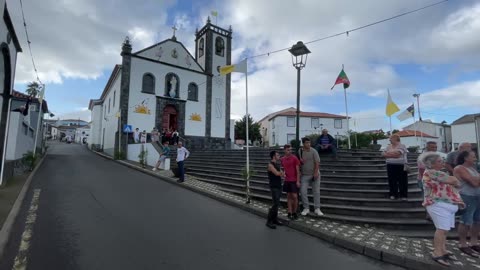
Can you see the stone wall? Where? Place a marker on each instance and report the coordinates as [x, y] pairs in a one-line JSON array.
[[205, 143]]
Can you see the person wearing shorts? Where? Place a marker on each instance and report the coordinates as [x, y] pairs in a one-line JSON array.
[[291, 166], [163, 155], [442, 200], [469, 178]]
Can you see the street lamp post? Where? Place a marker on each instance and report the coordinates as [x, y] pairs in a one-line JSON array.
[[299, 59]]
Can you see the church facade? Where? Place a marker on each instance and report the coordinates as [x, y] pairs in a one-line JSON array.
[[166, 87]]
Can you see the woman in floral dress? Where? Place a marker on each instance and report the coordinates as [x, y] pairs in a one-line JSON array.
[[442, 200]]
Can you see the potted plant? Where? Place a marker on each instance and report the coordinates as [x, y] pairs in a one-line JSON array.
[[30, 159], [142, 158]]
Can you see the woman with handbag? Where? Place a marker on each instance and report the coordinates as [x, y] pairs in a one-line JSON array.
[[397, 168]]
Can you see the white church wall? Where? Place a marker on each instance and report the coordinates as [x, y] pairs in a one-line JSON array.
[[110, 120], [135, 149], [218, 93], [147, 121], [164, 52]]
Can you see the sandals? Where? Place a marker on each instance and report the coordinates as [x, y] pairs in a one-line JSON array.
[[442, 260], [468, 251]]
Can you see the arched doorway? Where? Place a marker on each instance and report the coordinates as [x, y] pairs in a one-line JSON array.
[[170, 117]]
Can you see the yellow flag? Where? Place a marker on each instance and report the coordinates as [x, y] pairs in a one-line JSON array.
[[391, 106], [240, 67]]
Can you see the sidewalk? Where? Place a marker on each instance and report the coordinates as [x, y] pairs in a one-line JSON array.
[[9, 194], [411, 253]]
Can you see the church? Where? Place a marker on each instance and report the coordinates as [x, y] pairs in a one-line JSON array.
[[166, 87]]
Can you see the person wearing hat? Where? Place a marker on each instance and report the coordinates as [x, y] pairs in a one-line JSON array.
[[326, 143]]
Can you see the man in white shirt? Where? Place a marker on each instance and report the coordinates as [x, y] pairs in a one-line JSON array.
[[182, 154]]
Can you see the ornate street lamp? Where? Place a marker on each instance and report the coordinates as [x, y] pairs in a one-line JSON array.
[[299, 59]]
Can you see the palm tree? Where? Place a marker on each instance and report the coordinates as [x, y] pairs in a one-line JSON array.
[[32, 89]]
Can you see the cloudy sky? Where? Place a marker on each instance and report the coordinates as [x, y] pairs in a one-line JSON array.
[[434, 52]]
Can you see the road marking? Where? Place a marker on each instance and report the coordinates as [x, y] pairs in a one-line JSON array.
[[21, 258]]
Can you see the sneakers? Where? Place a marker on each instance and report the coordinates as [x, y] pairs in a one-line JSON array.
[[318, 212], [392, 197], [305, 212], [290, 216], [154, 169]]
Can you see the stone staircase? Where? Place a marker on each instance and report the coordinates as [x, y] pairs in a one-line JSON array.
[[353, 189]]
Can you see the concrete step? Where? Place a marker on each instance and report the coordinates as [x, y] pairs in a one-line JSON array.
[[398, 223], [264, 162], [262, 175], [261, 169], [345, 191]]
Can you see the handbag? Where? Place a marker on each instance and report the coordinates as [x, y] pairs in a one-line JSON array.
[[406, 168]]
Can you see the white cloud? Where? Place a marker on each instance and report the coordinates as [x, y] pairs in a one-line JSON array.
[[73, 39]]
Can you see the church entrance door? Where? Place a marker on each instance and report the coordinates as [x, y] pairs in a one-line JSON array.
[[169, 120]]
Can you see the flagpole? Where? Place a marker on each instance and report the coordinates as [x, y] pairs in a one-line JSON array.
[[355, 126], [348, 120], [247, 139], [390, 125], [38, 119]]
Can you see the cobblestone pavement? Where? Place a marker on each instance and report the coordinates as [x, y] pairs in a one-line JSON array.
[[412, 253]]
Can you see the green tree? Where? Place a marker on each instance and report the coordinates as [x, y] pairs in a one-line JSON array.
[[253, 129], [32, 89]]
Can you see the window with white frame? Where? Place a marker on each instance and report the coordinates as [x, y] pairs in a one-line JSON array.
[[273, 123], [337, 123], [315, 122], [273, 138], [290, 138], [291, 121]]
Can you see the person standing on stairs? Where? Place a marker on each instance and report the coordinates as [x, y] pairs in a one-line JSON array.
[[155, 135], [291, 166], [275, 182], [310, 176], [182, 155], [469, 222], [395, 156]]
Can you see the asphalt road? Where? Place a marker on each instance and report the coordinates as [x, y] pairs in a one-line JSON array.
[[96, 214]]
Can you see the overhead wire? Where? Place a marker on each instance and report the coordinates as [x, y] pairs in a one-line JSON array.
[[347, 32], [29, 43]]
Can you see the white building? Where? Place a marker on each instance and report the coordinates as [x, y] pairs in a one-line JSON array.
[[412, 138], [464, 129], [82, 134], [164, 86], [9, 47], [279, 128], [442, 131]]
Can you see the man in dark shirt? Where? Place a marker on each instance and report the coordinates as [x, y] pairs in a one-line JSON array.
[[326, 143], [451, 161], [275, 181]]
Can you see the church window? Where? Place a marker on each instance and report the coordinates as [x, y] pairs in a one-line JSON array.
[[172, 85], [148, 83], [201, 47], [219, 46], [193, 92]]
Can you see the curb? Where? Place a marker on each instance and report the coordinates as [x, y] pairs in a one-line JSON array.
[[12, 216], [387, 256]]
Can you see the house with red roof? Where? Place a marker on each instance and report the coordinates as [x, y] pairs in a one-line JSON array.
[[279, 128]]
